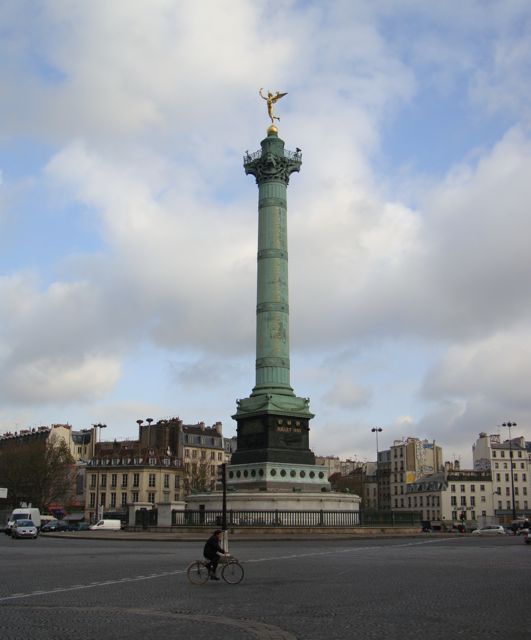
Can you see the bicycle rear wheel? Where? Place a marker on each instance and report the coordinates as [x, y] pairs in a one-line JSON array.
[[232, 572], [197, 573]]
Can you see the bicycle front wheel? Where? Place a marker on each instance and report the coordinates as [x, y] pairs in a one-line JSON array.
[[197, 572], [232, 572]]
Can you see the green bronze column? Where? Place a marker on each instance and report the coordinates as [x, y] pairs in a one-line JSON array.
[[272, 169], [272, 421]]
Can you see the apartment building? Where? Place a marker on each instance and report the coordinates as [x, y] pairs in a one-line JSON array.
[[509, 461], [409, 459], [204, 449], [453, 495], [124, 473]]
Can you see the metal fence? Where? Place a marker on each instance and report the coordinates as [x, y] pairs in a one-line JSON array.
[[390, 518], [274, 518]]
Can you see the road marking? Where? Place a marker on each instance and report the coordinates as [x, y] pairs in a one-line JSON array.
[[154, 576]]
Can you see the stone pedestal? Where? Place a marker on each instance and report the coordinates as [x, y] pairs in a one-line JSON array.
[[164, 518]]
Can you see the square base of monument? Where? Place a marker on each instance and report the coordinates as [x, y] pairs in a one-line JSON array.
[[255, 501], [277, 476]]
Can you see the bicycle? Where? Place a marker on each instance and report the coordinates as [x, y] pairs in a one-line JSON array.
[[231, 571]]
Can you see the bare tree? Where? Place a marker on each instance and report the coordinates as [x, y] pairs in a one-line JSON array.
[[40, 472]]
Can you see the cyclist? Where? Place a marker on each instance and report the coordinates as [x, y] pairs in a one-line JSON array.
[[213, 552]]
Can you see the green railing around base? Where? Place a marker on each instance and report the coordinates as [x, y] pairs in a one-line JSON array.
[[259, 518]]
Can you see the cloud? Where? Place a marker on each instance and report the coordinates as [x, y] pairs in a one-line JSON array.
[[141, 115], [48, 380], [346, 394]]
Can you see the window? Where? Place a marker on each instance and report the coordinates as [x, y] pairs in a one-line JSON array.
[[453, 501], [452, 487], [151, 482], [494, 454], [212, 455], [124, 499], [498, 477], [472, 488], [503, 454], [92, 500], [124, 479], [187, 453], [524, 491], [136, 479], [177, 482], [103, 479], [463, 501], [483, 499], [134, 496], [220, 456], [113, 499], [103, 499], [151, 496], [203, 455], [472, 503], [482, 487], [93, 481], [462, 488], [506, 477], [496, 465], [500, 504], [153, 461], [519, 454], [515, 476], [166, 481], [114, 479], [194, 453], [506, 491]]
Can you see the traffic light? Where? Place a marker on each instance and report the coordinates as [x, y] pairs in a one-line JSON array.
[[222, 474]]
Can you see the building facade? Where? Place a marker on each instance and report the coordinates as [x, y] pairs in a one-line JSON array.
[[509, 461], [453, 496], [408, 460]]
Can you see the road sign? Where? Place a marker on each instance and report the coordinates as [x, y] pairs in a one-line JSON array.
[[3, 493]]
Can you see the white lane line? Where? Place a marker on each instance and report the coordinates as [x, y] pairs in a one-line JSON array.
[[153, 576], [91, 585]]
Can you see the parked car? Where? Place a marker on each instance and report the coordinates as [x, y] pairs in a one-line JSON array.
[[55, 525], [490, 529], [24, 529]]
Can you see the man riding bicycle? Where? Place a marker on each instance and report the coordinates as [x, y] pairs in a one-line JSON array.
[[213, 552]]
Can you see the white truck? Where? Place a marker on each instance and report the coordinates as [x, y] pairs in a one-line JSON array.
[[106, 525], [24, 513]]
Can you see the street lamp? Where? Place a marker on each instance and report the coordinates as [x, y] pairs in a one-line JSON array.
[[99, 508], [509, 425], [377, 430]]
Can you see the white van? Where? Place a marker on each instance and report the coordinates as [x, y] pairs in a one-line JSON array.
[[24, 513], [107, 525]]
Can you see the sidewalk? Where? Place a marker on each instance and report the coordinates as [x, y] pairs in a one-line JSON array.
[[252, 535]]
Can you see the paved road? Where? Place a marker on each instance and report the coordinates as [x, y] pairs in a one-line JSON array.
[[462, 587]]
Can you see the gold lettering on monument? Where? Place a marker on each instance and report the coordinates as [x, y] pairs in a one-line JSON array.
[[289, 429]]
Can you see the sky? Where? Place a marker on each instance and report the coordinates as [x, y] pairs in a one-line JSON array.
[[128, 229]]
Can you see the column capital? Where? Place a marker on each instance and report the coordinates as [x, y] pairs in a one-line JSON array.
[[272, 162]]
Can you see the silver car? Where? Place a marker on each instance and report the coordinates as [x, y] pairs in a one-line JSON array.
[[24, 529], [490, 529]]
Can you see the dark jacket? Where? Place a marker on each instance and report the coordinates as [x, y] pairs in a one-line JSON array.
[[212, 548]]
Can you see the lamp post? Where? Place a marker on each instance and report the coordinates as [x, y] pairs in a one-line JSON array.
[[377, 430], [509, 425], [97, 437]]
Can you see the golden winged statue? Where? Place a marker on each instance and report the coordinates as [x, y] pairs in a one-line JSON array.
[[271, 98]]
